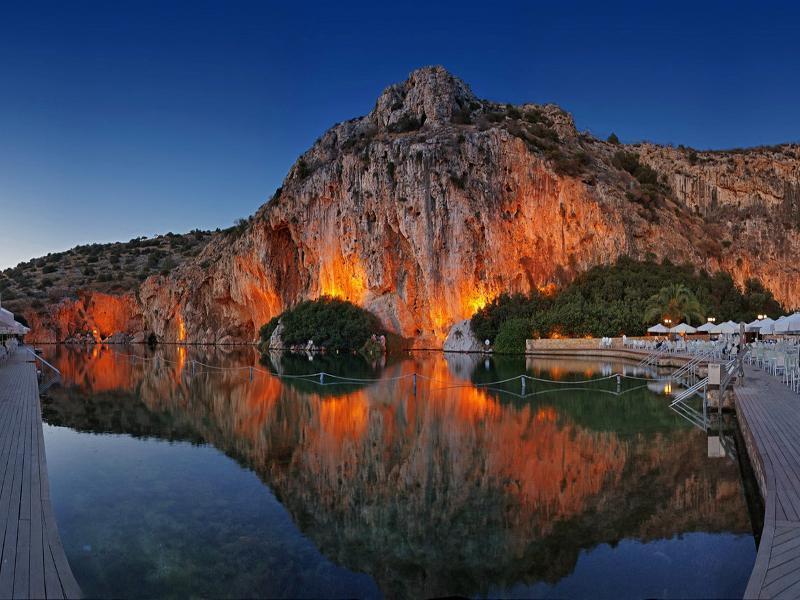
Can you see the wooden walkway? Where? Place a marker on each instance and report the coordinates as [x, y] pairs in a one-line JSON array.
[[769, 416], [33, 563]]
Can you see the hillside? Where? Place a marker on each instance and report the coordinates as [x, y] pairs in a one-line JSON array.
[[437, 201], [36, 287]]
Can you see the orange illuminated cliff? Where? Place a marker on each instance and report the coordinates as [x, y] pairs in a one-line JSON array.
[[436, 201]]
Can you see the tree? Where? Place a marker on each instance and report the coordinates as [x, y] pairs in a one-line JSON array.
[[613, 139], [676, 302]]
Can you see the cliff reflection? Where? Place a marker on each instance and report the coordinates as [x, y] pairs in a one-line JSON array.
[[452, 490]]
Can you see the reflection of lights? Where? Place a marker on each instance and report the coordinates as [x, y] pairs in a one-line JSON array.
[[486, 364], [668, 388]]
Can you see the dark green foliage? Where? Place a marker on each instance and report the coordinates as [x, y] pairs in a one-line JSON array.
[[331, 323], [495, 116], [512, 335], [629, 161], [486, 322], [613, 139], [462, 116], [612, 300], [303, 169], [570, 165], [513, 112]]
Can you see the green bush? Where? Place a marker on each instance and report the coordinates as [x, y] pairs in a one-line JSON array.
[[486, 322], [331, 323], [613, 139], [611, 300], [512, 335]]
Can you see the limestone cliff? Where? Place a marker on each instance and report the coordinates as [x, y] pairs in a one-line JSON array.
[[436, 201]]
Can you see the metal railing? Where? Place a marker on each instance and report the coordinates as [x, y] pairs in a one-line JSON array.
[[690, 367], [691, 391], [47, 374]]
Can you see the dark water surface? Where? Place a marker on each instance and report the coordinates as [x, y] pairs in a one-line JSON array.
[[173, 481]]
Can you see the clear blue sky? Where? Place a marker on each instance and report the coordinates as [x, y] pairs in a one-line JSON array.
[[124, 119]]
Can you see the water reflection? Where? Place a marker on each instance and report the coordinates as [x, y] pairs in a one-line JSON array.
[[454, 489]]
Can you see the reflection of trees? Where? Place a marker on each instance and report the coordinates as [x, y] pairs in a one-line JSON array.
[[448, 491]]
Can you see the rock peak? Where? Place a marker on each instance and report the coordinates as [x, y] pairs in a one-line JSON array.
[[429, 96]]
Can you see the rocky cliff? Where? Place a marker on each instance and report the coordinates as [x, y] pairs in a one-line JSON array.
[[436, 201]]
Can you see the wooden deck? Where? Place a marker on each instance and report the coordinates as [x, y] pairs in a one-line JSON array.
[[33, 563], [769, 416]]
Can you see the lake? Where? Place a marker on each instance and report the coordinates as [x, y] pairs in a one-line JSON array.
[[172, 478]]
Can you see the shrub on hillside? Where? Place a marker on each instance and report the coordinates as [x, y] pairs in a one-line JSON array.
[[331, 323], [512, 335]]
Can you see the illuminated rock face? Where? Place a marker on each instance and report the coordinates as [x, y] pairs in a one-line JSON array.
[[96, 314], [425, 226], [431, 205]]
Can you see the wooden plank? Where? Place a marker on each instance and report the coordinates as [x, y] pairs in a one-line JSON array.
[[9, 507], [51, 581], [37, 575], [32, 558], [769, 412], [23, 554]]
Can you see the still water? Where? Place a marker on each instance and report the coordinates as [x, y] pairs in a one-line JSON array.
[[173, 481]]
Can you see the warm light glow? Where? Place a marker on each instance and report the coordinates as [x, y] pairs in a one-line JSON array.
[[181, 329], [548, 289], [343, 278]]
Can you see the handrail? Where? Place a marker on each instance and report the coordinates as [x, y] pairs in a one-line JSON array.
[[689, 392], [691, 364], [39, 358]]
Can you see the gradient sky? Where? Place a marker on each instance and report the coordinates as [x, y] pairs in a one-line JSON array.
[[124, 119]]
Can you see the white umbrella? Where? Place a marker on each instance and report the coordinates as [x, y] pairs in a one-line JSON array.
[[657, 328], [9, 326], [682, 328], [706, 327], [728, 327], [767, 326], [753, 325], [781, 325], [793, 323]]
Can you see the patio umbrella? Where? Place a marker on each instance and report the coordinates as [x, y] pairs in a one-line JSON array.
[[726, 328], [765, 326], [657, 328], [753, 325], [706, 327], [793, 323], [682, 328], [781, 325]]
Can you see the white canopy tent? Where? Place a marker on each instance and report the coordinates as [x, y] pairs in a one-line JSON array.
[[8, 326], [683, 328], [788, 324], [781, 325], [764, 326], [706, 327], [726, 328], [657, 328], [753, 325]]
